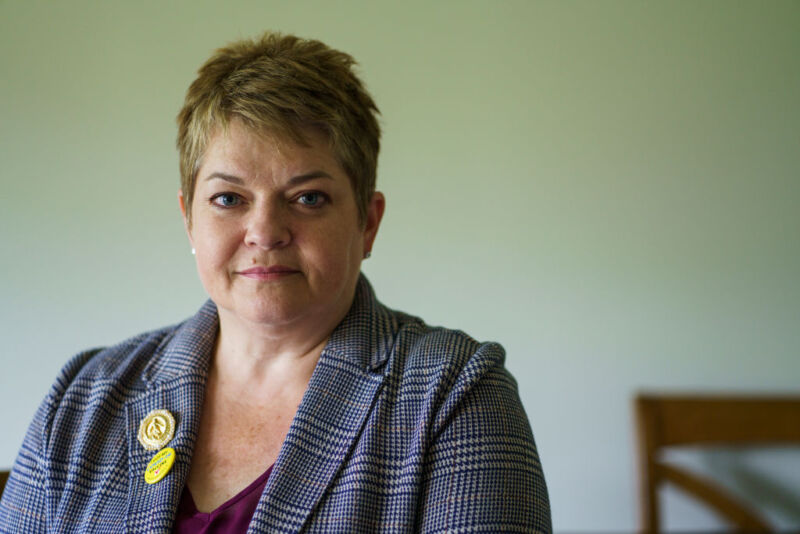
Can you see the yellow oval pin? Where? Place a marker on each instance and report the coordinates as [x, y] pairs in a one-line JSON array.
[[160, 465]]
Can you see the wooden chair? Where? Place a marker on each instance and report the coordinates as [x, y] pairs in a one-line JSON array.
[[674, 420]]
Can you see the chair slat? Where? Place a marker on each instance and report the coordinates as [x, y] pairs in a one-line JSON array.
[[732, 509]]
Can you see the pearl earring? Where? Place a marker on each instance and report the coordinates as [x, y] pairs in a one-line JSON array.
[[193, 251]]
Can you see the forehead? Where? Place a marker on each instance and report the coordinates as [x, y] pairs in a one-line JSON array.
[[242, 151]]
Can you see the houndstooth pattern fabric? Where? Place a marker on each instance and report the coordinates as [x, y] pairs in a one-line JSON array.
[[403, 428]]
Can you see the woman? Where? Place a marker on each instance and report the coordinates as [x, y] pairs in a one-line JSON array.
[[293, 400]]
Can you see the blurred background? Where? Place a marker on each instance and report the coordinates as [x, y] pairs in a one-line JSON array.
[[609, 189]]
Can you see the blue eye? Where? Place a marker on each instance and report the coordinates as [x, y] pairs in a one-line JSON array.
[[314, 199], [226, 200]]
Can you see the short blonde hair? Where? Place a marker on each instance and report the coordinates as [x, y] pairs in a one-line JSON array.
[[278, 85]]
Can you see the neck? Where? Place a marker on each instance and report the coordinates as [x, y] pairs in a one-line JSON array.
[[251, 353], [246, 355]]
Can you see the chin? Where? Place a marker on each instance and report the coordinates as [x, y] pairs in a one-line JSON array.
[[270, 312], [269, 315]]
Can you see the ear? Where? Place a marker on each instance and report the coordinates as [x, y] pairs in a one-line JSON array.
[[186, 224], [374, 215]]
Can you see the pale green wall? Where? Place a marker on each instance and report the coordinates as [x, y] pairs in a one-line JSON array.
[[611, 189]]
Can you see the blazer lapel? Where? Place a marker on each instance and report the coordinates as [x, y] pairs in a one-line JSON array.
[[327, 423], [175, 381], [340, 396]]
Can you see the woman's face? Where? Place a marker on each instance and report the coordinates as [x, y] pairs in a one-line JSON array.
[[276, 231]]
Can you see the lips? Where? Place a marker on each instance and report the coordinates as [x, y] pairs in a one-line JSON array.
[[273, 272]]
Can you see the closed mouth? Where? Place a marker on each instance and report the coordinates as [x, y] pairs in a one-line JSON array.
[[267, 273]]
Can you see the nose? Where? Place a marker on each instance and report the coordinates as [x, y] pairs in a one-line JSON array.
[[268, 228]]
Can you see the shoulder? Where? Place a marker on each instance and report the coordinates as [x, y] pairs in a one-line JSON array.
[[96, 383], [89, 392], [445, 349], [122, 364], [436, 345], [442, 366], [480, 469], [377, 337], [99, 381]]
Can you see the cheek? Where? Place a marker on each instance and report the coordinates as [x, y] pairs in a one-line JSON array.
[[214, 248], [207, 267], [335, 254]]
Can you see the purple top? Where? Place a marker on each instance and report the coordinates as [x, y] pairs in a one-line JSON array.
[[232, 517]]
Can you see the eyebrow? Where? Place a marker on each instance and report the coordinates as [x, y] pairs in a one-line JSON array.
[[293, 181], [303, 178], [227, 177]]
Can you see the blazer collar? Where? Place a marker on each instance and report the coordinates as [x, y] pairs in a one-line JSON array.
[[366, 334], [187, 351]]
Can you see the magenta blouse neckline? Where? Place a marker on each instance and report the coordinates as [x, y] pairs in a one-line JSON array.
[[231, 517]]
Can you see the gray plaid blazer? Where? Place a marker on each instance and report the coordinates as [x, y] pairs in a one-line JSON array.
[[403, 428]]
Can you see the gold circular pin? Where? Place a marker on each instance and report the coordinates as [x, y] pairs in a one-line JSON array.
[[160, 465], [156, 430]]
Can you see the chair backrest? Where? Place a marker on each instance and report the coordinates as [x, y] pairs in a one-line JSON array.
[[674, 420]]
